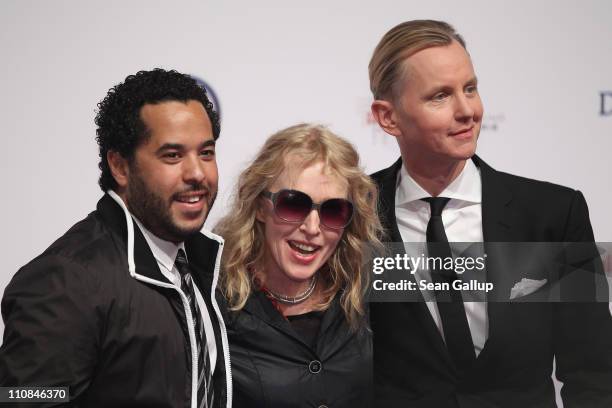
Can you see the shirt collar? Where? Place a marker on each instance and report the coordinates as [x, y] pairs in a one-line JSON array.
[[466, 187], [164, 251]]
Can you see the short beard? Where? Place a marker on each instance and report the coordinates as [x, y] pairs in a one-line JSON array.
[[154, 213]]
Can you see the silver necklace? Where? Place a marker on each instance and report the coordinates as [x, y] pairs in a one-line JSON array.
[[299, 298]]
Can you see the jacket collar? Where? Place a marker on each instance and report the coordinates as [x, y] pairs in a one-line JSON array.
[[260, 306], [388, 185], [498, 217], [202, 250], [466, 187], [497, 214]]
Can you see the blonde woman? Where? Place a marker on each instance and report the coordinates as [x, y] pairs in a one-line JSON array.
[[293, 273]]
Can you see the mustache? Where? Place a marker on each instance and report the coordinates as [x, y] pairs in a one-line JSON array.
[[194, 188]]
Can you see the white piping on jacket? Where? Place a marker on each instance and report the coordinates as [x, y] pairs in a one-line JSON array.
[[130, 232], [190, 325], [224, 340]]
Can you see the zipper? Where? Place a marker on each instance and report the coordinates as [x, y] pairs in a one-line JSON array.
[[188, 315], [194, 349], [190, 329], [224, 340]]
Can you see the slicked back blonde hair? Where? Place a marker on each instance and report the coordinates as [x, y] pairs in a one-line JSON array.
[[343, 274], [386, 68]]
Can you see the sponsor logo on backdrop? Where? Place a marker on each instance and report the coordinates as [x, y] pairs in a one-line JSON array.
[[212, 95], [492, 122], [605, 103]]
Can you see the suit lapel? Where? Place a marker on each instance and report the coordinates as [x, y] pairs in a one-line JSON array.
[[497, 215], [388, 185], [387, 181], [499, 225]]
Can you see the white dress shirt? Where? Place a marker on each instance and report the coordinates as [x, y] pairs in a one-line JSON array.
[[165, 254], [462, 219]]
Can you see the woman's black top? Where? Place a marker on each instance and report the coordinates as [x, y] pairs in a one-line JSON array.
[[310, 360], [307, 326]]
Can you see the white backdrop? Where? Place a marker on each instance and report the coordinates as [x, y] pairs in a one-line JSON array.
[[541, 66]]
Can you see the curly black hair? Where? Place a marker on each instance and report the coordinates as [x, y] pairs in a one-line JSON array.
[[120, 127]]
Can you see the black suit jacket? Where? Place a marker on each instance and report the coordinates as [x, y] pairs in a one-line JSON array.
[[412, 367]]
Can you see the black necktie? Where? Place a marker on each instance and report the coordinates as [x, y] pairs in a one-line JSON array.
[[452, 313], [205, 390]]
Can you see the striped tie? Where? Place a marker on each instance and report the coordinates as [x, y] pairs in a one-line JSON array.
[[205, 390]]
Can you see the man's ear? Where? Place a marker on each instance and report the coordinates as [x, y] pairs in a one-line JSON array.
[[119, 168], [385, 114]]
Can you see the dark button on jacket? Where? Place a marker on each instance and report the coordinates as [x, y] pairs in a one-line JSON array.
[[273, 367]]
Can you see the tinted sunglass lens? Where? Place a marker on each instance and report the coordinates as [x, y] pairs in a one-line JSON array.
[[336, 213], [293, 205]]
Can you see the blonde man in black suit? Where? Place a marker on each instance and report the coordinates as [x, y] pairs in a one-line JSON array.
[[458, 353]]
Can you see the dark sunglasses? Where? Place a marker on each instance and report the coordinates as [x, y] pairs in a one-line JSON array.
[[294, 206]]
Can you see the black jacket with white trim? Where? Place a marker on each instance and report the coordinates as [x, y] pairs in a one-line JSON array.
[[94, 313]]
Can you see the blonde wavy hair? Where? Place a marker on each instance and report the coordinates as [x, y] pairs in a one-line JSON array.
[[344, 271]]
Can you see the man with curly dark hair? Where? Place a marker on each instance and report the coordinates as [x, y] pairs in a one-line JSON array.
[[122, 308]]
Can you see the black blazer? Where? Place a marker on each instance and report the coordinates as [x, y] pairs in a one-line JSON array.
[[412, 367]]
